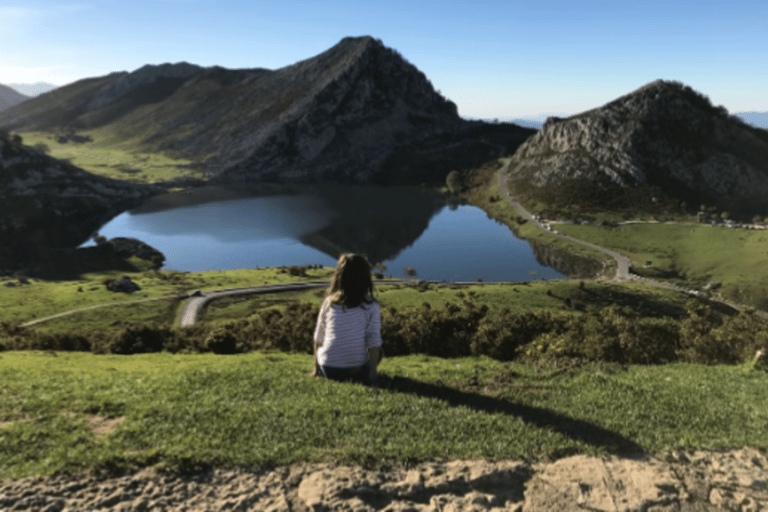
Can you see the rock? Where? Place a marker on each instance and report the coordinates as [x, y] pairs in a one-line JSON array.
[[127, 247], [10, 284], [124, 285]]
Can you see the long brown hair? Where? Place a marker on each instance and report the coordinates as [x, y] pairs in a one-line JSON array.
[[351, 284]]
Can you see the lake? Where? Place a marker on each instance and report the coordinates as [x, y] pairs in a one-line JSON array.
[[225, 228]]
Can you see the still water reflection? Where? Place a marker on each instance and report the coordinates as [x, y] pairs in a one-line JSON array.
[[216, 229]]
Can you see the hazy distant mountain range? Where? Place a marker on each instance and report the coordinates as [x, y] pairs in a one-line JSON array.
[[33, 90], [10, 98], [759, 119]]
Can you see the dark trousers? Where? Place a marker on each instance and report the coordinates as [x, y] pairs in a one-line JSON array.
[[356, 374]]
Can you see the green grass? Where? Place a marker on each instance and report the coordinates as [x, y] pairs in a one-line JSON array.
[[261, 409], [111, 156], [42, 298], [738, 258]]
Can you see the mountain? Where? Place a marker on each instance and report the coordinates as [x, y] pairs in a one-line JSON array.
[[756, 119], [661, 145], [47, 203], [356, 113], [32, 90], [9, 97]]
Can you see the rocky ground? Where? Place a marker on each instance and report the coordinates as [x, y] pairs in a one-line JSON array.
[[684, 481]]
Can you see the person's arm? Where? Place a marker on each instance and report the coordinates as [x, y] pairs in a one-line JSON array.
[[374, 357], [373, 342], [317, 340]]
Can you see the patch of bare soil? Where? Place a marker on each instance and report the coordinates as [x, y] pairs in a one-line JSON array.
[[681, 481]]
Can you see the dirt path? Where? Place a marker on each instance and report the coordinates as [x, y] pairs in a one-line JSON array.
[[691, 481]]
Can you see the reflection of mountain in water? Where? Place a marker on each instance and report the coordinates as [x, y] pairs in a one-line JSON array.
[[379, 222]]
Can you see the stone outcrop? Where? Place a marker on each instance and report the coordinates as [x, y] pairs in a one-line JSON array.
[[678, 481], [357, 113], [664, 137], [124, 285]]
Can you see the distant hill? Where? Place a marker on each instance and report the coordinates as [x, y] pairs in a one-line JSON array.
[[10, 98], [655, 147], [357, 113], [758, 119], [33, 90]]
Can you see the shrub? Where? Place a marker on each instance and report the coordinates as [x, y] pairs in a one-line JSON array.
[[135, 339], [222, 340]]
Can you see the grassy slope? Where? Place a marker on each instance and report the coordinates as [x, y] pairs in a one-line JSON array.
[[110, 156], [700, 253], [261, 409], [45, 298]]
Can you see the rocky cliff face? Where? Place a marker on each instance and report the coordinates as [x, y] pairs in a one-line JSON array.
[[357, 113], [47, 203], [664, 138]]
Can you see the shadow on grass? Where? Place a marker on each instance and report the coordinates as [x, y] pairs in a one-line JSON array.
[[573, 428]]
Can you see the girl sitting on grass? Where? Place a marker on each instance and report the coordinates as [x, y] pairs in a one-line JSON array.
[[348, 332]]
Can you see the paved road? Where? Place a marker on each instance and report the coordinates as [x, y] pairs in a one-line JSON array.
[[191, 309]]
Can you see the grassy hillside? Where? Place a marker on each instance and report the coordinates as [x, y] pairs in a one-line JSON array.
[[74, 411], [696, 254], [113, 157]]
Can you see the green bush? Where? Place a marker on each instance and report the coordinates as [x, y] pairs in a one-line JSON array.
[[134, 339]]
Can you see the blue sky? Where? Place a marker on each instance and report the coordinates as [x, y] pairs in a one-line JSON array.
[[493, 58]]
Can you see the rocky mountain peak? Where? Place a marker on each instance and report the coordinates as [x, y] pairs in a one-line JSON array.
[[145, 75], [664, 137]]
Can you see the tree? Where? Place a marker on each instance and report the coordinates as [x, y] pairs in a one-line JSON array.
[[725, 215]]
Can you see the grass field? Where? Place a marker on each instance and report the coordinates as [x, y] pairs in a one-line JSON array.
[[113, 157], [41, 298], [738, 258], [261, 409]]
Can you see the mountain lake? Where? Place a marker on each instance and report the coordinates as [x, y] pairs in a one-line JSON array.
[[232, 228]]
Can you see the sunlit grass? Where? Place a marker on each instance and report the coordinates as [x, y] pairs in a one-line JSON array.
[[261, 409], [700, 253], [113, 157]]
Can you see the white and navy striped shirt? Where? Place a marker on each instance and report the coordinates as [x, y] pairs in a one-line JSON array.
[[343, 334]]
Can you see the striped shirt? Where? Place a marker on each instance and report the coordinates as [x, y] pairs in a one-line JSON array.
[[343, 334]]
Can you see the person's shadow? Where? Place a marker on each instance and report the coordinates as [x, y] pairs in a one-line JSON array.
[[577, 429]]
